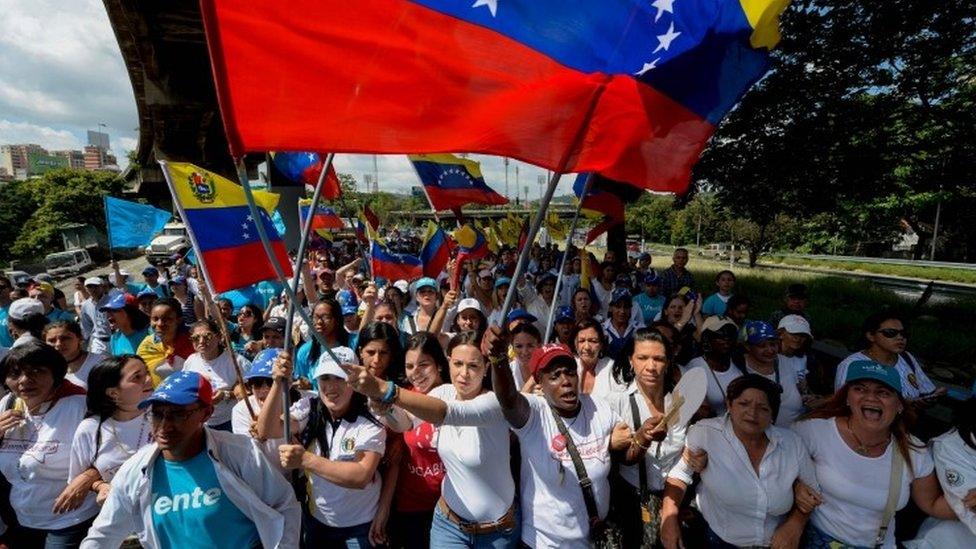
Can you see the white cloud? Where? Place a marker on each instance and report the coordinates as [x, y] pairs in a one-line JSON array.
[[49, 138]]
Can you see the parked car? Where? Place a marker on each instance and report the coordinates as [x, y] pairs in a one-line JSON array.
[[721, 251], [19, 279], [68, 263]]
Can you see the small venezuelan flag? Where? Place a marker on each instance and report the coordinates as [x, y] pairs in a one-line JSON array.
[[222, 228], [436, 251], [452, 181], [323, 218], [393, 266]]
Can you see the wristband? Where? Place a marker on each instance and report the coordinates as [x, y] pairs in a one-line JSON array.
[[390, 391], [637, 442]]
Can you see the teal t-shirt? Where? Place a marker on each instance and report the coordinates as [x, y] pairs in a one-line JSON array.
[[650, 307], [58, 314], [714, 305], [190, 509], [5, 339], [121, 344]]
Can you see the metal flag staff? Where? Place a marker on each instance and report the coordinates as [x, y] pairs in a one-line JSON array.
[[562, 264]]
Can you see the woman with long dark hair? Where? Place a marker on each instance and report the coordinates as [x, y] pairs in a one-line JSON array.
[[884, 340], [129, 324], [65, 336], [340, 451], [115, 427], [247, 335], [858, 441], [654, 449], [38, 423], [378, 348], [412, 483], [327, 322]]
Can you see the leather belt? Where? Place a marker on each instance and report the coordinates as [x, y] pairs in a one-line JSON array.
[[506, 522]]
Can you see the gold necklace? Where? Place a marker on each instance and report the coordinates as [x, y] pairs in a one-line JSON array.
[[864, 449]]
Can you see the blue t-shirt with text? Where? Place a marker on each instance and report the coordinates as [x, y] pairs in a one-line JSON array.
[[191, 510]]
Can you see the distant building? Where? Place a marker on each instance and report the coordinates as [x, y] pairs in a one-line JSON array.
[[39, 163], [76, 159], [98, 139], [97, 158], [14, 158]]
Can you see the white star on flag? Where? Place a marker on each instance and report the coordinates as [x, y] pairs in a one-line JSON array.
[[663, 6], [664, 40], [647, 67], [492, 5]]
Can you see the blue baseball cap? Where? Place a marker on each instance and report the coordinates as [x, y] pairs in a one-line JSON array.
[[619, 294], [869, 369], [349, 309], [261, 367], [117, 302], [651, 278], [503, 281], [643, 256], [520, 314], [181, 389], [425, 282], [178, 279], [757, 331], [146, 292], [564, 314], [150, 270]]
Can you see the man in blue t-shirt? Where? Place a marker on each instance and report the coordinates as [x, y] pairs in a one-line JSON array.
[[198, 488], [650, 301]]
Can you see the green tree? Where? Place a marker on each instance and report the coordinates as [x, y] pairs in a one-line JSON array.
[[16, 206], [62, 196]]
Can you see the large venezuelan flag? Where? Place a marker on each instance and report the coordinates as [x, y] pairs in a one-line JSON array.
[[631, 89], [451, 181], [223, 231], [436, 250], [393, 266]]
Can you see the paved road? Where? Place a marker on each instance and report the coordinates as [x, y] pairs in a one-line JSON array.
[[133, 266]]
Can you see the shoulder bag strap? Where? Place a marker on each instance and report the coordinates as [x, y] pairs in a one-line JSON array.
[[894, 492], [584, 480], [641, 467], [910, 360]]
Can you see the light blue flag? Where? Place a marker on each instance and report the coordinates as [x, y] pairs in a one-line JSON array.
[[132, 225]]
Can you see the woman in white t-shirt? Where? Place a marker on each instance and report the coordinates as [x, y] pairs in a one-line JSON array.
[[115, 427], [762, 358], [955, 464], [258, 381], [718, 338], [477, 506], [215, 362], [746, 490], [340, 451], [525, 340], [855, 439], [655, 450], [594, 369], [38, 422], [885, 340], [65, 336]]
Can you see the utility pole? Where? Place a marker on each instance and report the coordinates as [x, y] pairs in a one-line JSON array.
[[376, 176], [935, 230], [506, 178]]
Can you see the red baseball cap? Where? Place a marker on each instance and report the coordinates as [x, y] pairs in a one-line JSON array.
[[543, 357]]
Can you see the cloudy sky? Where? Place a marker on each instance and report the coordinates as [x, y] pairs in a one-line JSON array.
[[61, 74]]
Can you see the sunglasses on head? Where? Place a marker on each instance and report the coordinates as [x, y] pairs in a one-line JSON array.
[[891, 333]]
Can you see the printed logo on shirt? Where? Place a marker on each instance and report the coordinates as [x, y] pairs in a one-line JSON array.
[[196, 499], [425, 436], [348, 444], [953, 477], [590, 449], [913, 380], [30, 448], [558, 443], [435, 470]]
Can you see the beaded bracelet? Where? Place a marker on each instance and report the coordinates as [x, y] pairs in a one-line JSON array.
[[390, 391]]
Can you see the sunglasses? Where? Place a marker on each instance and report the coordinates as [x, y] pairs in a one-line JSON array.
[[245, 312], [261, 382], [158, 416], [202, 338], [891, 333]]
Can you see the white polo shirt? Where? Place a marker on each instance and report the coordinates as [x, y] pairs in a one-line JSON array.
[[742, 507], [338, 506]]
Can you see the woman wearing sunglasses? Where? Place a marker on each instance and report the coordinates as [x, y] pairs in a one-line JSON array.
[[215, 362], [885, 337]]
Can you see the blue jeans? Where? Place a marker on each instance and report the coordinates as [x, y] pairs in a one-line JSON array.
[[444, 533], [316, 534], [62, 538]]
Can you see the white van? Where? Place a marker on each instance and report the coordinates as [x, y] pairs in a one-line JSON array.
[[68, 263]]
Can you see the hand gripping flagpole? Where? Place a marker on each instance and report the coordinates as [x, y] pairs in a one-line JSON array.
[[292, 303], [272, 258], [523, 259], [562, 264]]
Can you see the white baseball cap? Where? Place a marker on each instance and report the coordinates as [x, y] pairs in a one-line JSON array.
[[94, 281], [329, 367], [469, 303], [25, 306], [795, 324], [402, 285]]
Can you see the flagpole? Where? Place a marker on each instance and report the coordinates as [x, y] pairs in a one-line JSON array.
[[562, 266], [523, 259], [221, 325], [268, 251], [352, 224], [292, 303]]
